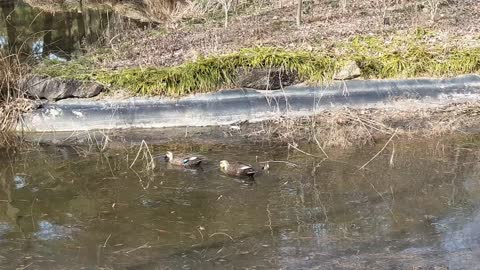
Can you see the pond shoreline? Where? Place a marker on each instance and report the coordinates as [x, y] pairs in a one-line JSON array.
[[234, 106], [352, 113]]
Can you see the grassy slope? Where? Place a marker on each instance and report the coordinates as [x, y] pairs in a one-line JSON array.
[[405, 56]]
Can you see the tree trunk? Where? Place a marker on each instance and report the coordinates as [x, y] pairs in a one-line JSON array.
[[226, 8], [47, 38], [299, 12], [8, 10]]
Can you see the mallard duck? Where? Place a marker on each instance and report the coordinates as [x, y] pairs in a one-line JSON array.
[[237, 169], [189, 161]]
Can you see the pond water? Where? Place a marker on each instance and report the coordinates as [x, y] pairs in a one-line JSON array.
[[416, 205], [47, 31]]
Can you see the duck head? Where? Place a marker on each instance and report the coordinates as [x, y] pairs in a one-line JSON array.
[[224, 165], [169, 156]]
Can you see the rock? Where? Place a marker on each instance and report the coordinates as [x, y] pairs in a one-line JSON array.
[[349, 71], [44, 87], [264, 79]]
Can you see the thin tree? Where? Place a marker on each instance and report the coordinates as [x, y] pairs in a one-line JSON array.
[[8, 10], [226, 4], [299, 12], [433, 5], [343, 4]]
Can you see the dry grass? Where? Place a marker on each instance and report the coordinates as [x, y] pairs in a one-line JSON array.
[[51, 6], [10, 71], [271, 24], [161, 9], [359, 127], [400, 56], [12, 99], [145, 10]]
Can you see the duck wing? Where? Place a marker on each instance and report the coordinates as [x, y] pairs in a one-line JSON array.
[[192, 161], [245, 169]]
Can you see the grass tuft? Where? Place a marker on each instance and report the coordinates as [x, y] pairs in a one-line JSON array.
[[12, 98], [207, 74]]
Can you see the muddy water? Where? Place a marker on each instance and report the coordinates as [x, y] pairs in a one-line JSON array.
[[415, 205]]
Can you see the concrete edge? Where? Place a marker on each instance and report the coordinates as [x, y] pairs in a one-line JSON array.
[[237, 105]]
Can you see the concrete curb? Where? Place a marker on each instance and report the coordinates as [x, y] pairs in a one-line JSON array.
[[230, 106]]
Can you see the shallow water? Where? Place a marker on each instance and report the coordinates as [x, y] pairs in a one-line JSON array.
[[415, 205], [46, 32]]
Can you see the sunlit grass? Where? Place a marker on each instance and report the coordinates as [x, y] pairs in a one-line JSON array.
[[207, 74], [399, 57]]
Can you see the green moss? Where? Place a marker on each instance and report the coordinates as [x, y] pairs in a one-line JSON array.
[[398, 57]]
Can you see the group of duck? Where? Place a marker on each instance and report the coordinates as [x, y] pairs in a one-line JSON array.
[[234, 169]]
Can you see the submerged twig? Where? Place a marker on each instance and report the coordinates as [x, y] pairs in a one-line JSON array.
[[146, 154], [301, 151], [108, 238], [279, 161], [137, 248], [319, 146], [220, 233], [379, 152]]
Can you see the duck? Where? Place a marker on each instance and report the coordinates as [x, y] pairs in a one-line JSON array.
[[188, 161], [237, 169]]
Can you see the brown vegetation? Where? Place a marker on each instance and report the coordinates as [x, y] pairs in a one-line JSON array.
[[12, 98], [145, 10], [356, 127], [264, 23], [193, 30]]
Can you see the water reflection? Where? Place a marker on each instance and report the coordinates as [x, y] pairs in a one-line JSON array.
[[57, 35], [85, 209], [49, 231], [4, 229]]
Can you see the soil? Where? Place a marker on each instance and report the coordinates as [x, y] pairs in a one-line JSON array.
[[271, 25]]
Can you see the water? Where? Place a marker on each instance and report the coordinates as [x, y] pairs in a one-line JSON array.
[[46, 31], [77, 208]]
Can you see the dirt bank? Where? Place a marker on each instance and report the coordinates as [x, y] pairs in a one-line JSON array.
[[192, 52], [273, 24]]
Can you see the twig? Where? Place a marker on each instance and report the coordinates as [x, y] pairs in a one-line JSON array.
[[280, 161], [269, 215], [25, 267], [385, 201], [152, 162], [301, 151], [222, 233], [137, 248], [105, 244], [319, 146], [383, 148], [200, 231], [31, 211], [392, 156]]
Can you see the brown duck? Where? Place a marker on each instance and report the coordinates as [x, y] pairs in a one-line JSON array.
[[188, 161], [237, 169]]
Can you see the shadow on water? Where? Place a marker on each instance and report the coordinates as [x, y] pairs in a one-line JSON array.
[[77, 208], [57, 35]]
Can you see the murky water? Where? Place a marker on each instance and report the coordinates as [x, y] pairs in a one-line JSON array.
[[415, 205], [47, 32]]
